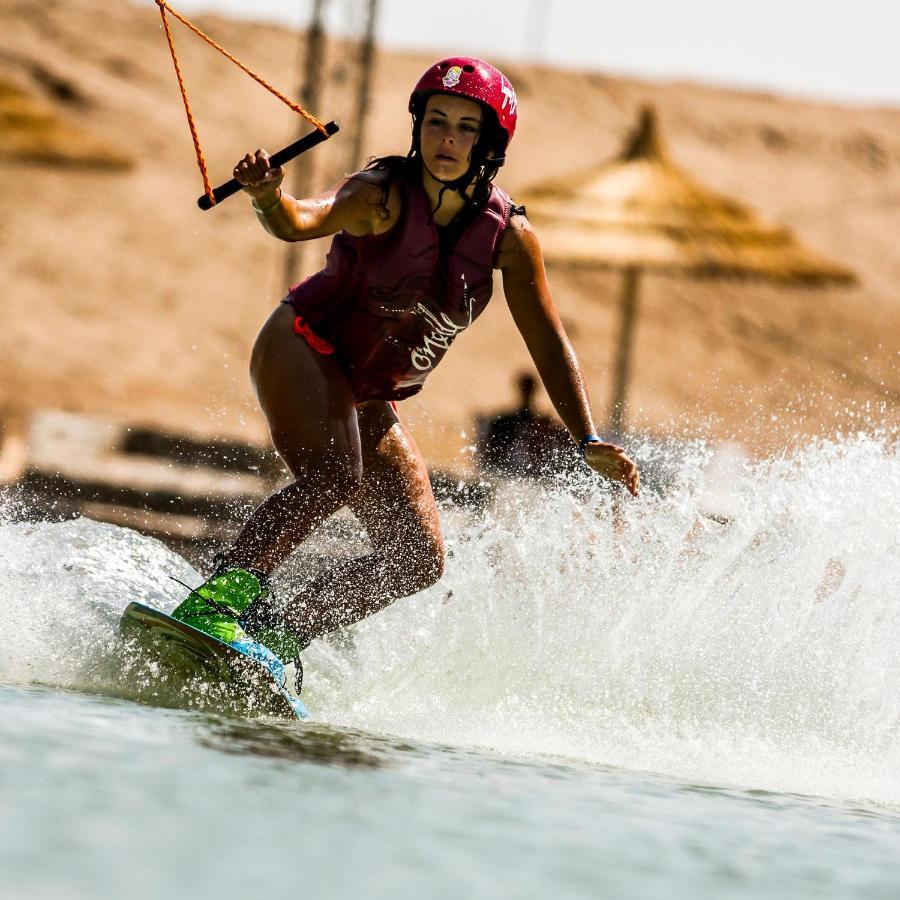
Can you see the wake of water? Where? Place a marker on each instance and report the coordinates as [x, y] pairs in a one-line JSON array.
[[759, 650]]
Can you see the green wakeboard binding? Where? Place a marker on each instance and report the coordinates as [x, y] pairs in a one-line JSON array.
[[236, 606]]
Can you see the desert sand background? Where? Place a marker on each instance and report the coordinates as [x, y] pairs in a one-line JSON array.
[[121, 299]]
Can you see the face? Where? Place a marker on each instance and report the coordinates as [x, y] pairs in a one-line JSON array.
[[450, 128]]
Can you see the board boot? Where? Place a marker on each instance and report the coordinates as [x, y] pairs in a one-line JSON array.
[[235, 605]]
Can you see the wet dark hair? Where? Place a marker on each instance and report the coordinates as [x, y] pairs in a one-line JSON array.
[[482, 167], [402, 168]]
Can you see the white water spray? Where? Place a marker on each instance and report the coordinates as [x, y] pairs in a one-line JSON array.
[[760, 651]]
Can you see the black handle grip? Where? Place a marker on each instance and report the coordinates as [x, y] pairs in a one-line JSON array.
[[224, 191]]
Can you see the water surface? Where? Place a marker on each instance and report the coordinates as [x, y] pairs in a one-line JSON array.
[[673, 706]]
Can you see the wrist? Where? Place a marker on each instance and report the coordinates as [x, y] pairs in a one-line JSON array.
[[267, 201], [588, 439]]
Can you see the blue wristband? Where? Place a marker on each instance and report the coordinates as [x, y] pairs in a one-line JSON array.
[[587, 439]]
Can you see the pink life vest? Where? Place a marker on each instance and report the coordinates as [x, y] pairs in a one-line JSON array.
[[389, 306]]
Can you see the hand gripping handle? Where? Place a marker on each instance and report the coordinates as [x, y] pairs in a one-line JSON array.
[[229, 188]]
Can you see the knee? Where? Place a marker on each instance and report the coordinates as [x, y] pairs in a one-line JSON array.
[[428, 564]]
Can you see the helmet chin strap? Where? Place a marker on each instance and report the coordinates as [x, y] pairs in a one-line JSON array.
[[456, 184], [466, 180], [470, 174]]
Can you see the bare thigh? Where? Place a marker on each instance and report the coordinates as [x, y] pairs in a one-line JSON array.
[[395, 503], [306, 399], [309, 405]]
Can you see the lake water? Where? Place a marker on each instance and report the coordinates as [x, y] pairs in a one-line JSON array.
[[668, 706]]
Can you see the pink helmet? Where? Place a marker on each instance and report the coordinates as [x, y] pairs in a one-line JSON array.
[[466, 76]]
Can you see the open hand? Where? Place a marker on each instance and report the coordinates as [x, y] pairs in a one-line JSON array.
[[611, 462], [257, 176]]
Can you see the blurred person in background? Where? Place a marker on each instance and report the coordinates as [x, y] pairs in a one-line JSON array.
[[416, 241], [522, 441]]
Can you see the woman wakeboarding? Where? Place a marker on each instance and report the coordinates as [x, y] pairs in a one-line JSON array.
[[416, 240]]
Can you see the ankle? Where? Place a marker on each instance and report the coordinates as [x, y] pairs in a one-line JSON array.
[[228, 560], [299, 621]]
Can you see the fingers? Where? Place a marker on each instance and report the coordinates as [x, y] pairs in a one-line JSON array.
[[612, 461], [628, 473], [630, 476], [255, 170]]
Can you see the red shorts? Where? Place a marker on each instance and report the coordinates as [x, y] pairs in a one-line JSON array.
[[319, 344]]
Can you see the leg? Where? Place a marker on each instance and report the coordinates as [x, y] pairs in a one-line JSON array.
[[309, 406], [396, 506]]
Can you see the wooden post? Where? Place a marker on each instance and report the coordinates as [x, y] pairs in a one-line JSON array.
[[622, 371], [301, 184], [364, 85]]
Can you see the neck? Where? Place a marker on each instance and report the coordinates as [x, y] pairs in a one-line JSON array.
[[451, 203]]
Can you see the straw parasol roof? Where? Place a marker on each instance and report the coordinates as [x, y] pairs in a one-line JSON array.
[[642, 211]]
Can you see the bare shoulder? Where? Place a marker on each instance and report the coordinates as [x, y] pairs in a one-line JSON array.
[[368, 182], [519, 245], [374, 198]]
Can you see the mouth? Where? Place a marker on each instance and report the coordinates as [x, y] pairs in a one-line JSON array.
[[446, 157]]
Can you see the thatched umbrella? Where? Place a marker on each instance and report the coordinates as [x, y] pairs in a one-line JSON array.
[[640, 211]]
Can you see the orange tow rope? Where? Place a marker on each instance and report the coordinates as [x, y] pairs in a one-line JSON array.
[[201, 162]]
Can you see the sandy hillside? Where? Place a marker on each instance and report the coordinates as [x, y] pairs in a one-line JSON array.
[[121, 298]]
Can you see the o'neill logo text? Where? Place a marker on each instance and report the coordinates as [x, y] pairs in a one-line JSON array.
[[439, 339]]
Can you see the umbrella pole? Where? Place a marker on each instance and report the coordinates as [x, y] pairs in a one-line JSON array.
[[623, 352]]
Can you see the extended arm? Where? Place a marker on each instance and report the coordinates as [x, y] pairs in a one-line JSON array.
[[351, 204], [534, 312]]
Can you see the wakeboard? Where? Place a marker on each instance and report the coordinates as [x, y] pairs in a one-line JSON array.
[[193, 652]]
